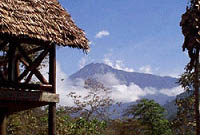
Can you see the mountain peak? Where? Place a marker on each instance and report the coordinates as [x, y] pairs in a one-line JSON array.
[[141, 79]]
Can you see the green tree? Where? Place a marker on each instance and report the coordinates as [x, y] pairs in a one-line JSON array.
[[151, 115]]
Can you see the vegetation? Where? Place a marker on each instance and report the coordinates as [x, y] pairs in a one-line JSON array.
[[92, 115], [34, 122], [151, 115], [96, 104]]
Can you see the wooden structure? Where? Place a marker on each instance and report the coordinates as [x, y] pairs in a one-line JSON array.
[[29, 33]]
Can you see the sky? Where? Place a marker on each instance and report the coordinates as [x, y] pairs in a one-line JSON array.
[[131, 35], [135, 36]]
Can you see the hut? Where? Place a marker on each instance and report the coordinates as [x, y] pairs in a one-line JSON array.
[[30, 30]]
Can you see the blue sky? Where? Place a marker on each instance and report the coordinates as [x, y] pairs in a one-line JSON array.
[[141, 36]]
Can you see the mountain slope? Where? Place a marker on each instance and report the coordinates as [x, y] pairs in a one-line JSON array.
[[141, 79]]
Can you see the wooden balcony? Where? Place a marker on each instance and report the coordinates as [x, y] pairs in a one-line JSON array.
[[15, 101]]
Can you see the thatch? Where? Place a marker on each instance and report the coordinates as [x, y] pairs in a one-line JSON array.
[[44, 20]]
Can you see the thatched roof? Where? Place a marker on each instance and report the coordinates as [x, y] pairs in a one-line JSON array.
[[44, 20]]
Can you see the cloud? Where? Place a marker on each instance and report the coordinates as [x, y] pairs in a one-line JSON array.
[[124, 93], [118, 64], [146, 69], [172, 92], [132, 92], [83, 62], [107, 79], [102, 33], [120, 91]]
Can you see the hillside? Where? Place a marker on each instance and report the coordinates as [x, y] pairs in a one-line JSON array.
[[141, 79]]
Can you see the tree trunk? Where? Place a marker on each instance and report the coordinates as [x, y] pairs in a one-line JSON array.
[[196, 85]]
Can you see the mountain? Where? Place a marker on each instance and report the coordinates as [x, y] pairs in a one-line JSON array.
[[144, 81], [141, 79]]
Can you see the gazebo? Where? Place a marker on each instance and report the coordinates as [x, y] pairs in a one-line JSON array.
[[29, 33]]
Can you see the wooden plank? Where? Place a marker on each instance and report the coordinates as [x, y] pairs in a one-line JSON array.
[[37, 96], [43, 87], [35, 64]]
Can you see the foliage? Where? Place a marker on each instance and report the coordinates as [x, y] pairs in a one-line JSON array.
[[151, 115], [184, 123], [190, 29], [34, 122], [125, 127], [27, 122], [96, 103]]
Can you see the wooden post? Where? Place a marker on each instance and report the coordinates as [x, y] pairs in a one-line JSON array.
[[52, 80], [196, 95], [11, 63], [3, 123]]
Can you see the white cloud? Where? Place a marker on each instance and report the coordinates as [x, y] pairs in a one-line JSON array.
[[120, 91], [102, 34], [131, 93], [107, 79], [172, 92], [124, 93], [118, 64], [83, 62], [108, 62], [146, 69]]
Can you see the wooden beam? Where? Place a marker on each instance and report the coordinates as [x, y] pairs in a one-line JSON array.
[[27, 96], [35, 64], [17, 70], [26, 86], [40, 76], [52, 81], [28, 79], [27, 62], [52, 68], [35, 71], [196, 93], [24, 54], [52, 119], [11, 58]]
